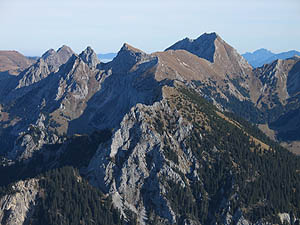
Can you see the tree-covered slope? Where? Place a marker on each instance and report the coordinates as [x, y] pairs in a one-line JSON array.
[[66, 198]]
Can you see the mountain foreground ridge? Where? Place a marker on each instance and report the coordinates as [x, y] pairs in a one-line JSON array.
[[134, 140]]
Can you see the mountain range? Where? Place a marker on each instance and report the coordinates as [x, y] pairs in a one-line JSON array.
[[106, 57], [170, 137], [263, 56]]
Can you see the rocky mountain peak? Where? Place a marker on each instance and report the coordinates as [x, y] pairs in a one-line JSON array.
[[64, 53], [213, 48], [64, 49], [48, 53], [203, 46], [127, 47], [50, 61], [219, 56], [55, 59], [127, 57], [89, 57], [74, 67]]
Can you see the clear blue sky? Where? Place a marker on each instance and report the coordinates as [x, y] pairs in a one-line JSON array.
[[33, 26]]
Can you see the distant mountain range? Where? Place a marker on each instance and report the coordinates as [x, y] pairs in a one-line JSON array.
[[106, 57], [255, 59], [263, 56]]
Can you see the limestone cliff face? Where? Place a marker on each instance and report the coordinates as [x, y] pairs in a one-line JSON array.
[[49, 62], [280, 80], [17, 207], [149, 155], [90, 57], [124, 82], [279, 97], [57, 58], [133, 166], [35, 73], [33, 140], [52, 98]]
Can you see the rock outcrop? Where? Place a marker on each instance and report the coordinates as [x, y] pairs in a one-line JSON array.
[[279, 97], [33, 74], [58, 98], [90, 57], [278, 79], [48, 63], [17, 207], [55, 59], [123, 167], [124, 82]]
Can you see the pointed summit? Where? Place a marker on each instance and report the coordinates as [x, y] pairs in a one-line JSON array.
[[50, 61], [89, 57], [213, 48], [127, 47], [127, 57], [65, 48], [203, 46], [55, 59], [65, 52], [48, 53]]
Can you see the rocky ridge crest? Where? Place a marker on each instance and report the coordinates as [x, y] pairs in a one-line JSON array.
[[165, 138]]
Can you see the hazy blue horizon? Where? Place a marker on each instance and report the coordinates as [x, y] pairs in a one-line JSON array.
[[33, 26]]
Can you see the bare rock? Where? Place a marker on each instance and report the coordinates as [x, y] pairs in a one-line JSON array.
[[18, 206], [132, 166], [33, 74], [90, 57], [56, 59]]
